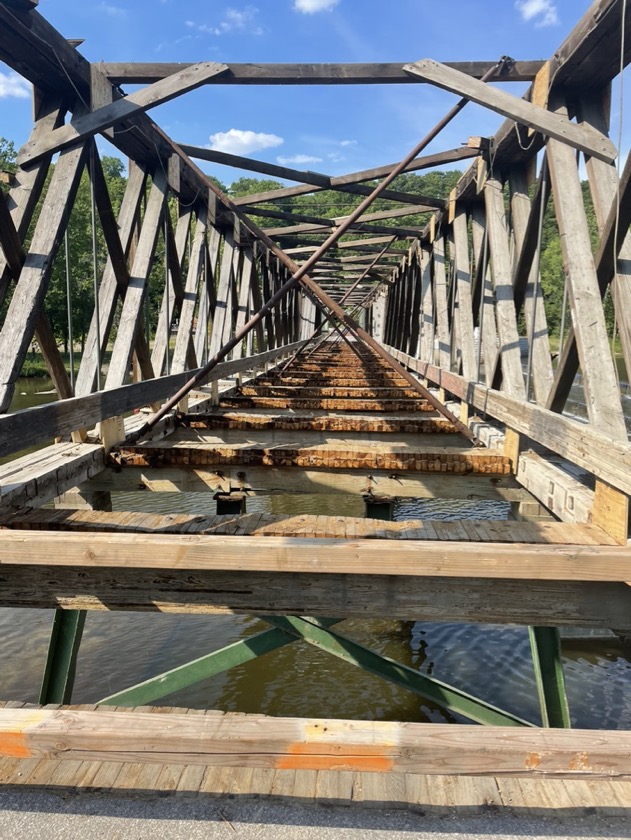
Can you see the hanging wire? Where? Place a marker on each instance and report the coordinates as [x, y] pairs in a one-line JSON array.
[[69, 307], [537, 266], [95, 273]]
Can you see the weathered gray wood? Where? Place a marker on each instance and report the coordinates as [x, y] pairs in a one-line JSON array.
[[534, 306], [442, 307], [187, 312], [340, 181], [10, 244], [585, 138], [173, 293], [488, 328], [602, 395], [36, 425], [267, 480], [114, 282], [211, 574], [310, 74], [499, 252], [243, 312], [39, 477], [134, 296], [563, 495], [427, 307], [463, 291], [28, 297], [604, 187], [316, 180], [223, 293], [87, 126], [583, 444], [117, 260]]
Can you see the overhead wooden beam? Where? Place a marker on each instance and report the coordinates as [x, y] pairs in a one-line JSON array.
[[583, 137], [310, 74], [107, 116], [313, 179]]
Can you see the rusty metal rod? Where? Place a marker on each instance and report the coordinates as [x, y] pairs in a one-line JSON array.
[[299, 274], [342, 300]]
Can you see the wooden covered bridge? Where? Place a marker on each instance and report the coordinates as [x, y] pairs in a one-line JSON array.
[[353, 355]]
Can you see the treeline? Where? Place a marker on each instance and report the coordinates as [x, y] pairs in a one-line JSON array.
[[319, 205]]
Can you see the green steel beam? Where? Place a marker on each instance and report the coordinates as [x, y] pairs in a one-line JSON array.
[[207, 666], [61, 661], [310, 630], [545, 644]]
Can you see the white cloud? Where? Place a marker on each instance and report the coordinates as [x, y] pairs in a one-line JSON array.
[[348, 142], [542, 12], [309, 7], [298, 159], [112, 11], [238, 142], [13, 85], [234, 20]]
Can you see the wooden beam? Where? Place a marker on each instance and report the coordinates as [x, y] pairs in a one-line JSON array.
[[340, 181], [584, 137], [313, 181], [210, 575], [87, 126], [499, 253], [554, 483], [134, 296], [28, 297], [311, 74], [584, 445], [407, 558], [602, 394], [275, 480], [253, 740], [115, 279], [36, 425]]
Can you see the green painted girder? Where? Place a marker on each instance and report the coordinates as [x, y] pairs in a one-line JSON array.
[[446, 696], [545, 645], [61, 661], [205, 667]]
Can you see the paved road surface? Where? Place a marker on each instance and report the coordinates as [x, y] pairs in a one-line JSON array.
[[44, 816]]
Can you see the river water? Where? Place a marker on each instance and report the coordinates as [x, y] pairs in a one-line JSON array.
[[492, 662]]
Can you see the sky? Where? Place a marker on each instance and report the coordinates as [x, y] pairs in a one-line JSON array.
[[326, 129]]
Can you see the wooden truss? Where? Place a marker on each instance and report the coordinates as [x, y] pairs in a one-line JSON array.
[[455, 304]]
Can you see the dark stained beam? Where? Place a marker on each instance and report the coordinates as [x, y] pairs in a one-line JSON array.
[[311, 74], [308, 178]]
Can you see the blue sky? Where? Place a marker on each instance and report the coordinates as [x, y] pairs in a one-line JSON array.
[[327, 129]]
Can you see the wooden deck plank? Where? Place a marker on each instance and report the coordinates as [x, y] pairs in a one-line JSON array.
[[309, 525]]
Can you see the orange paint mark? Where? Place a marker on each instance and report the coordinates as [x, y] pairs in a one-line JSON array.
[[13, 744], [362, 763], [533, 761], [580, 762], [308, 756]]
